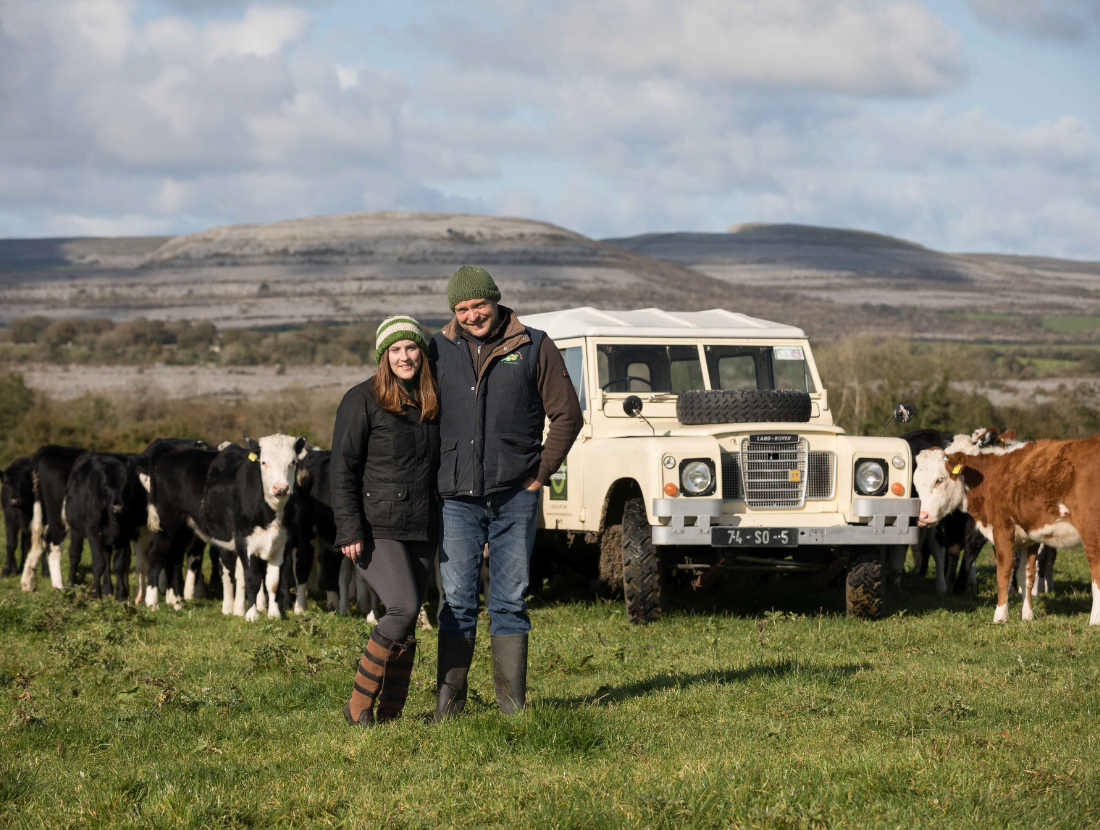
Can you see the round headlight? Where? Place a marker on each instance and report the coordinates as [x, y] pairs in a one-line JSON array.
[[870, 476], [898, 462], [696, 477]]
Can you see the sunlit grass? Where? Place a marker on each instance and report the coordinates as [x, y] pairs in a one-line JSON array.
[[757, 706]]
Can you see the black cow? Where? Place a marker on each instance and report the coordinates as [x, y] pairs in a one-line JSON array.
[[50, 468], [234, 500], [17, 495], [106, 504], [314, 514]]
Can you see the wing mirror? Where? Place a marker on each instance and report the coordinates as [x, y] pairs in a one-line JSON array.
[[632, 406], [903, 414]]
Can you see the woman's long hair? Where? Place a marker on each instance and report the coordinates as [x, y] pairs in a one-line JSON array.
[[392, 395]]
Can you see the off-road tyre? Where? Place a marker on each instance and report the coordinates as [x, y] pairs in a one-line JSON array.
[[743, 406], [865, 586], [643, 587]]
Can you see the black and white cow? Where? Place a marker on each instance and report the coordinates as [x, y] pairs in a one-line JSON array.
[[17, 496], [146, 459], [234, 500], [106, 504], [50, 468]]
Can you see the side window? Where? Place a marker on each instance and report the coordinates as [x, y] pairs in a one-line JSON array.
[[574, 364]]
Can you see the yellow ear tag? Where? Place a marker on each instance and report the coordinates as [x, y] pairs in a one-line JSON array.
[[957, 470], [253, 457]]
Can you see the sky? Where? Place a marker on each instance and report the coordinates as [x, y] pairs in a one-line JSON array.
[[969, 125]]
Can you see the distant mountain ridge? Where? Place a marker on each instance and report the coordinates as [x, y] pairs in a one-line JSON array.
[[367, 265]]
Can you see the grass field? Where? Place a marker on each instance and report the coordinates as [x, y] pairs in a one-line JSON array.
[[757, 708]]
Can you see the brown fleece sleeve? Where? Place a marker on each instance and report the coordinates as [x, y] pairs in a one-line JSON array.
[[559, 400]]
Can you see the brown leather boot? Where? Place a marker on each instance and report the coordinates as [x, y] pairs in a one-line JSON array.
[[395, 680], [368, 679]]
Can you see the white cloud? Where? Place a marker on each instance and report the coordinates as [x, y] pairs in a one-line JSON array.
[[864, 47], [604, 117]]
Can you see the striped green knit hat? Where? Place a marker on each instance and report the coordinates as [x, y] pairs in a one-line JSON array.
[[397, 328]]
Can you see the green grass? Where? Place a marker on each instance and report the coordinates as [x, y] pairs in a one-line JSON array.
[[725, 713], [1071, 324]]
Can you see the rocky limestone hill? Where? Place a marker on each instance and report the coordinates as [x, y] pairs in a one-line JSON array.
[[364, 266]]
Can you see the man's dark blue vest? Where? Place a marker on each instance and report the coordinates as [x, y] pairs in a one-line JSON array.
[[490, 432]]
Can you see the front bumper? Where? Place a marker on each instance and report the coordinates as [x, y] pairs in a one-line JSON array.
[[889, 523]]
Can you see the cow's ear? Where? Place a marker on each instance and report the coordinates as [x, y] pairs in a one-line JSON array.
[[955, 464], [303, 476], [300, 447], [1008, 435], [252, 444]]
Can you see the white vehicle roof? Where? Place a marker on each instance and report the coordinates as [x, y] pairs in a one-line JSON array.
[[653, 322]]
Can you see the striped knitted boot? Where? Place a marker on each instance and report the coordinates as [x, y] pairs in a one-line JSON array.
[[395, 680], [368, 678]]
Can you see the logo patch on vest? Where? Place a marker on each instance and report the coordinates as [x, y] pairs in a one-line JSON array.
[[514, 357]]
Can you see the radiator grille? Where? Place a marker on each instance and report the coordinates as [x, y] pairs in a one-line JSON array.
[[822, 476], [731, 477], [768, 470]]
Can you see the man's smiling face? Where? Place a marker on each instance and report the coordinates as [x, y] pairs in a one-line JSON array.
[[477, 316]]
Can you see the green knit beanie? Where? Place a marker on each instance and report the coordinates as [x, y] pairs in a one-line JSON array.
[[398, 328], [471, 283]]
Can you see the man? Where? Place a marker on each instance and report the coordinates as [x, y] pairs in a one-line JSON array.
[[498, 383]]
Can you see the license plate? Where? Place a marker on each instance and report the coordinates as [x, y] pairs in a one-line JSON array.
[[754, 537]]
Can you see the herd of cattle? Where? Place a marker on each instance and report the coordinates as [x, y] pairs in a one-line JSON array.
[[258, 507]]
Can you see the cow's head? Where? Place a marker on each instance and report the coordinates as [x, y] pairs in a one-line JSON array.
[[939, 483], [277, 456]]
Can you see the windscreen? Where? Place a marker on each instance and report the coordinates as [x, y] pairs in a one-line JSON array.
[[758, 367], [645, 368]]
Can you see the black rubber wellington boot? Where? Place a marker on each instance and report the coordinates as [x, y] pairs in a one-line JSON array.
[[455, 655], [510, 671]]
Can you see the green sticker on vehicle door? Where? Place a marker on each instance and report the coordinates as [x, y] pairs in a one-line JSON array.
[[559, 484]]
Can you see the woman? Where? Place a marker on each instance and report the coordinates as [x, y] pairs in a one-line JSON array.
[[385, 457]]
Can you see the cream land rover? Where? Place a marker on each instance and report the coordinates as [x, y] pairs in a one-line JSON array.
[[708, 445]]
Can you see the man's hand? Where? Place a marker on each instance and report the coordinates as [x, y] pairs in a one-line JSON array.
[[352, 550], [532, 484]]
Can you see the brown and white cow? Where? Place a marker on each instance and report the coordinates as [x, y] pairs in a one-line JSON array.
[[1047, 492]]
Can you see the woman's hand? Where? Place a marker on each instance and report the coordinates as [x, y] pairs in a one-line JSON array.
[[352, 550]]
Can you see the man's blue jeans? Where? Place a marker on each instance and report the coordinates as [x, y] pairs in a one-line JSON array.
[[507, 522]]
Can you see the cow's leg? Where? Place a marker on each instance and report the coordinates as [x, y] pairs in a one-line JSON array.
[[1045, 579], [333, 566], [303, 568], [313, 582], [1029, 557], [12, 543], [274, 571], [99, 564], [920, 563], [239, 606], [38, 544], [1002, 549], [55, 564], [253, 585], [935, 546], [141, 563], [193, 585], [121, 564], [261, 594], [226, 564], [159, 554], [896, 563], [76, 551]]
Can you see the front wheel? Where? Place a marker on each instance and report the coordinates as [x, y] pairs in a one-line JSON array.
[[865, 587], [643, 586]]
